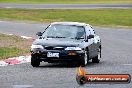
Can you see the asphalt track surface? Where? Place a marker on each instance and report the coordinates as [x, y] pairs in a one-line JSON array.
[[116, 59], [64, 6]]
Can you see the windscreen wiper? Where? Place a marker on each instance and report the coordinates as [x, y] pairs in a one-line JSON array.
[[55, 37], [77, 38], [60, 37], [51, 37]]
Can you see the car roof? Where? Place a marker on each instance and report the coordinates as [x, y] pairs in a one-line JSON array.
[[70, 23]]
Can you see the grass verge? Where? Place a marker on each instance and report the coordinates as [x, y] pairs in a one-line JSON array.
[[11, 46], [98, 17], [69, 1]]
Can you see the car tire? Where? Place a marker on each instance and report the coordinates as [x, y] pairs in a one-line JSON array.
[[35, 61], [95, 59], [84, 60]]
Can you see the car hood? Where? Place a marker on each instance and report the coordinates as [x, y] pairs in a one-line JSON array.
[[57, 42]]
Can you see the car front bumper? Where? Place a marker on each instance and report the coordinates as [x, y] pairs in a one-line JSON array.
[[64, 55]]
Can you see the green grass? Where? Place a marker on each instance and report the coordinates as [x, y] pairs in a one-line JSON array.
[[6, 52], [69, 1], [98, 17], [11, 45]]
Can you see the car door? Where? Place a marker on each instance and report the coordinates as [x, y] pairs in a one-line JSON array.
[[89, 42], [95, 43]]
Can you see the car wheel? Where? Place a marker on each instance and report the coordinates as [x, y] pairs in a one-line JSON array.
[[84, 60], [95, 59], [35, 61]]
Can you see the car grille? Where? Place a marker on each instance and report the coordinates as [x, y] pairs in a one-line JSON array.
[[53, 48]]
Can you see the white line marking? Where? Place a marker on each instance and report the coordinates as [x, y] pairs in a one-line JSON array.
[[8, 7], [22, 86], [1, 21], [7, 34], [10, 34], [26, 37]]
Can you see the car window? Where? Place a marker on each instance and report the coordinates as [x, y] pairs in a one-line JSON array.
[[88, 32], [92, 30], [67, 31]]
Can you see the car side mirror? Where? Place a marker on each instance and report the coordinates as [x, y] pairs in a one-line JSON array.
[[39, 33], [90, 36]]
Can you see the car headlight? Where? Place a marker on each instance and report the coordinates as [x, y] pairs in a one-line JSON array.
[[73, 48], [37, 46]]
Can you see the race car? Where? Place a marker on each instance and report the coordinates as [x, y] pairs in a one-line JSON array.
[[70, 42]]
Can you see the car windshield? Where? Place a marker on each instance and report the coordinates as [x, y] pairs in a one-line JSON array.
[[64, 31]]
